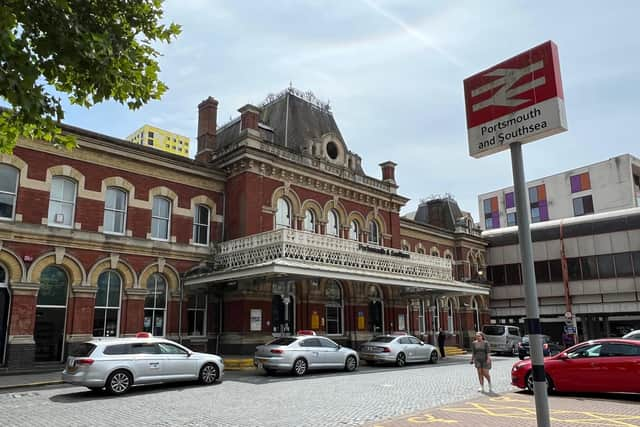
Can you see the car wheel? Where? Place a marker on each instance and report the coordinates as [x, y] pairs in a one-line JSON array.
[[530, 383], [300, 367], [401, 360], [351, 364], [119, 382], [208, 374], [434, 357]]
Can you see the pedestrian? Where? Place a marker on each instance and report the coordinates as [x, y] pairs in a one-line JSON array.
[[442, 337], [567, 340], [480, 357]]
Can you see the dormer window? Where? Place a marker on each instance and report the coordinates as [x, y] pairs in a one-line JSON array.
[[332, 150]]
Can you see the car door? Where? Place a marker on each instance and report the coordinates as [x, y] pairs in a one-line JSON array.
[[331, 355], [310, 350], [580, 371], [421, 352], [620, 367], [146, 362], [177, 362]]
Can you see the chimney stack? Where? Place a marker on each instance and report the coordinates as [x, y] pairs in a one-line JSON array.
[[207, 123], [388, 172], [249, 117]]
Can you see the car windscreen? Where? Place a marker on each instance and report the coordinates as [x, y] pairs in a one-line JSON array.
[[493, 330], [283, 341], [81, 350], [383, 338]]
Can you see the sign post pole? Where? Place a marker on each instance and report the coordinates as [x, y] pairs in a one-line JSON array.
[[531, 293]]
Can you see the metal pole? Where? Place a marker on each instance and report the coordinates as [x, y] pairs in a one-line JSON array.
[[531, 293]]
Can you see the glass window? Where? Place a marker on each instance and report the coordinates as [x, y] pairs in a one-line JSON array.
[[333, 225], [160, 218], [117, 349], [197, 314], [498, 275], [542, 271], [201, 225], [115, 211], [623, 264], [573, 267], [509, 200], [53, 287], [309, 221], [583, 205], [450, 316], [555, 270], [533, 194], [81, 349], [333, 311], [166, 348], [107, 308], [605, 266], [283, 214], [512, 219], [535, 214], [636, 263], [513, 274], [611, 349], [354, 230], [62, 202], [311, 342], [487, 205], [8, 191], [155, 305], [589, 268], [373, 233]]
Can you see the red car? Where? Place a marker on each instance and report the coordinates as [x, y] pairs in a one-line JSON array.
[[604, 365]]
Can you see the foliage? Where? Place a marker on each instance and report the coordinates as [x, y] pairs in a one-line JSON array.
[[90, 50]]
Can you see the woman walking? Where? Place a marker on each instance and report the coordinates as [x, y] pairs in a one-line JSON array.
[[480, 352]]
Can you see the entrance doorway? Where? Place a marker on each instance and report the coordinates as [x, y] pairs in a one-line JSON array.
[[376, 319], [282, 315], [51, 312]]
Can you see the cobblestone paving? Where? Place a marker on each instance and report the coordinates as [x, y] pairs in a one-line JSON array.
[[250, 399]]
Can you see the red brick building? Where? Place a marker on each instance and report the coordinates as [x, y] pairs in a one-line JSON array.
[[273, 228]]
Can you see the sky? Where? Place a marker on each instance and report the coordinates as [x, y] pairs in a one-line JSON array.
[[392, 71]]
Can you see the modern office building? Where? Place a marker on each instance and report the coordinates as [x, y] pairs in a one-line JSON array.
[[586, 248], [601, 187], [160, 139], [274, 227]]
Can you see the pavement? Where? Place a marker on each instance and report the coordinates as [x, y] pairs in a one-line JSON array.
[[518, 408], [25, 378]]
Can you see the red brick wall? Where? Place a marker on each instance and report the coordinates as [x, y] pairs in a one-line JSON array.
[[80, 311], [23, 315]]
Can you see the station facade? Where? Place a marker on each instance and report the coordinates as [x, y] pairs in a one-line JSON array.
[[273, 228]]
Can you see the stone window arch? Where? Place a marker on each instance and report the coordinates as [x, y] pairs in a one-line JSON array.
[[106, 318], [354, 230], [334, 312], [309, 223], [434, 251], [333, 223], [283, 217], [155, 305], [404, 245], [374, 233]]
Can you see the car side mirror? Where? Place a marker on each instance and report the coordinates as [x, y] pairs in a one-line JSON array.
[[421, 342], [189, 353], [563, 356]]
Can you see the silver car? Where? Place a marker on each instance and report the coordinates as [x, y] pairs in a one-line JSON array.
[[117, 364], [396, 349], [633, 335], [299, 354]]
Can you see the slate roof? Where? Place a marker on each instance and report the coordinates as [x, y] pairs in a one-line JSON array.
[[442, 213]]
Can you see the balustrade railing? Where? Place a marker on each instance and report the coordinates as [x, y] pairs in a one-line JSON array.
[[328, 251]]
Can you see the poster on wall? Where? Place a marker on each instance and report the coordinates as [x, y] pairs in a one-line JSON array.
[[256, 319]]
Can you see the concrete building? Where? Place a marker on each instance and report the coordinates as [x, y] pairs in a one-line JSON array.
[[586, 247], [274, 227], [601, 187], [161, 139]]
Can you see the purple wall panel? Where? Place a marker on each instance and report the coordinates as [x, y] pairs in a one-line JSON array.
[[575, 183]]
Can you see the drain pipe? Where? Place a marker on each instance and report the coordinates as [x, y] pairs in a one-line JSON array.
[[180, 309]]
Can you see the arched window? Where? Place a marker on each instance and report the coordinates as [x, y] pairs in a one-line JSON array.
[[197, 314], [374, 234], [450, 316], [354, 230], [333, 223], [160, 218], [421, 250], [155, 305], [8, 192], [283, 214], [107, 309], [115, 211], [405, 247], [201, 219], [51, 311], [62, 202], [310, 221], [333, 308]]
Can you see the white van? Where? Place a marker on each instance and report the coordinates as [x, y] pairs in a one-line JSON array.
[[502, 338]]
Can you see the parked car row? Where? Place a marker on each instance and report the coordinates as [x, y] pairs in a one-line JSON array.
[[117, 364]]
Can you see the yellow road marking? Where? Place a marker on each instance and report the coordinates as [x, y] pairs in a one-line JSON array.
[[428, 419]]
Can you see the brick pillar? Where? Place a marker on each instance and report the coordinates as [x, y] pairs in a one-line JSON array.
[[21, 347], [207, 124], [80, 312], [132, 311], [249, 117], [173, 314], [388, 172]]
